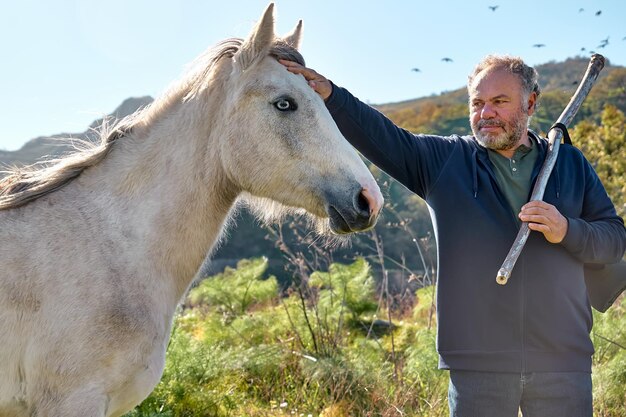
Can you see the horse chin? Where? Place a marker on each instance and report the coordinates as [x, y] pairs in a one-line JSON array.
[[340, 225]]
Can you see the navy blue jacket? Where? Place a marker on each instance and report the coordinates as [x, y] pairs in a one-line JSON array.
[[540, 321]]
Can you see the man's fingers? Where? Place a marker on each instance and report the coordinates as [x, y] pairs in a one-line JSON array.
[[538, 204], [538, 208], [538, 227], [316, 81], [288, 63], [535, 211], [534, 218], [296, 68]]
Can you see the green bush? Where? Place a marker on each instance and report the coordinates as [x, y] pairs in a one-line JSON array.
[[296, 354], [235, 290], [609, 361]]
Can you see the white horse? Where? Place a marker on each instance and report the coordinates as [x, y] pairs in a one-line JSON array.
[[98, 249]]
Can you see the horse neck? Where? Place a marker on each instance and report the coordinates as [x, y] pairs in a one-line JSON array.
[[173, 190]]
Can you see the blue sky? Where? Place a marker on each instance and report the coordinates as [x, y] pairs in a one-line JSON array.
[[68, 62]]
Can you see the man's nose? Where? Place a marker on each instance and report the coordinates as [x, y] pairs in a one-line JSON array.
[[488, 112]]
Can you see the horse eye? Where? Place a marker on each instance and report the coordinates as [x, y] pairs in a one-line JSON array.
[[285, 104]]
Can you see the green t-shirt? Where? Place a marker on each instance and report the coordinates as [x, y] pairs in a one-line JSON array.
[[514, 175]]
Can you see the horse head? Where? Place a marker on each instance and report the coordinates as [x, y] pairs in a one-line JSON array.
[[282, 144]]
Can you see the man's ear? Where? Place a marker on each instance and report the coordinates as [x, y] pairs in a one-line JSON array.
[[532, 102]]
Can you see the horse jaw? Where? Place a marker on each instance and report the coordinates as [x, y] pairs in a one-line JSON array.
[[272, 213], [257, 44]]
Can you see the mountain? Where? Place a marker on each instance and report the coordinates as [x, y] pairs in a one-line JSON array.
[[58, 144]]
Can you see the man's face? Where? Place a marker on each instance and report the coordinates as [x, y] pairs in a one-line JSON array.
[[499, 111]]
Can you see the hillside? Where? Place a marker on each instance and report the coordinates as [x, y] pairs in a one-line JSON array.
[[405, 227], [446, 113]]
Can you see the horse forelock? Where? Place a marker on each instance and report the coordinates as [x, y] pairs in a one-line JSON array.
[[283, 50]]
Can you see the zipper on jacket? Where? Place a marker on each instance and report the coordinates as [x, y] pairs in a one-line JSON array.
[[484, 160], [522, 277], [475, 172]]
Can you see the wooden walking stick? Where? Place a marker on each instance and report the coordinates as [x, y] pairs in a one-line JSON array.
[[554, 141]]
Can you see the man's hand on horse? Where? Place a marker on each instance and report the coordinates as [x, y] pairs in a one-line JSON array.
[[318, 82]]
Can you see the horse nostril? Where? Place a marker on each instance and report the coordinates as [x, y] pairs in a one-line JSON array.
[[362, 203]]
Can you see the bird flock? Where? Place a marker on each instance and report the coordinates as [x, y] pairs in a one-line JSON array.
[[602, 44]]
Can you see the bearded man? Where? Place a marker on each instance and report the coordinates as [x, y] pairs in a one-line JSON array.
[[524, 345]]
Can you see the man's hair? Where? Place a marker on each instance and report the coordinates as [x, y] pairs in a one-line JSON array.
[[515, 65]]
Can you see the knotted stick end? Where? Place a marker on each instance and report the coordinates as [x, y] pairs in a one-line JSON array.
[[597, 60]]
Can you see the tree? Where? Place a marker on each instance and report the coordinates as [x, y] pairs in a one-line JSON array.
[[604, 146]]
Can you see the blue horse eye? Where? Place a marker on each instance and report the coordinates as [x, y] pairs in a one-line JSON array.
[[285, 105]]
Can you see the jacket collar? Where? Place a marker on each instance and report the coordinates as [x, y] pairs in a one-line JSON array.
[[481, 156]]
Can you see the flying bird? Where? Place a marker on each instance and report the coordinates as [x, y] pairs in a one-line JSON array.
[[583, 49], [493, 8], [539, 45], [581, 10], [599, 12], [604, 42], [446, 59], [415, 69]]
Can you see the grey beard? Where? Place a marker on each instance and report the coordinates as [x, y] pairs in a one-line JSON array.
[[502, 141]]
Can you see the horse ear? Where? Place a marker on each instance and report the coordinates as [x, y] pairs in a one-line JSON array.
[[259, 40], [294, 38]]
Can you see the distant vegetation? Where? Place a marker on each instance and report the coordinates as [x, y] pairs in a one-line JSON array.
[[447, 113], [604, 144]]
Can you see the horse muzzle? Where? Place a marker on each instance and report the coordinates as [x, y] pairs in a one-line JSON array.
[[356, 213]]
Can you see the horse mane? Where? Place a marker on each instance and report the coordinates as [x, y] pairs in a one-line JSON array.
[[21, 185]]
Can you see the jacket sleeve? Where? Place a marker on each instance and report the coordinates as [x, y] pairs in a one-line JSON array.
[[598, 235], [413, 160]]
